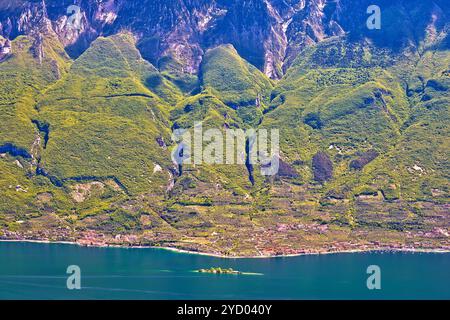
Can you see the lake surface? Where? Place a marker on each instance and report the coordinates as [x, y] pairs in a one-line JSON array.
[[38, 271]]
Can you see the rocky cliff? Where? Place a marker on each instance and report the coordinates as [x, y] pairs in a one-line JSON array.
[[268, 33]]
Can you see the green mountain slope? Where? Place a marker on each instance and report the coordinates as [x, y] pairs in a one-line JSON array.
[[104, 121], [34, 64], [351, 101], [86, 148], [236, 82]]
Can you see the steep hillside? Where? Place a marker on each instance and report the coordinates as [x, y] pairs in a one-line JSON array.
[[267, 33], [236, 82], [34, 64], [90, 116], [354, 100]]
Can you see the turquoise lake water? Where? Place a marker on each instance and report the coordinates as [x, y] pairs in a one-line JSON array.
[[38, 271]]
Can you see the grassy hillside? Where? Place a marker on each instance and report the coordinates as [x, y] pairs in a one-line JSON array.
[[350, 100], [104, 121], [236, 82], [86, 147], [22, 76]]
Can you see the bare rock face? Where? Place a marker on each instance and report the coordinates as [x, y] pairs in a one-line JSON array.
[[80, 24], [5, 48], [53, 17], [311, 25], [26, 18], [271, 33], [170, 28], [268, 33]]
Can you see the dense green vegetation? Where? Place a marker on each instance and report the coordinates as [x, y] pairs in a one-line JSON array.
[[236, 82], [22, 78], [348, 99], [105, 122], [97, 132]]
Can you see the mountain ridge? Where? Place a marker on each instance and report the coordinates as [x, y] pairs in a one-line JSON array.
[[269, 34], [363, 118]]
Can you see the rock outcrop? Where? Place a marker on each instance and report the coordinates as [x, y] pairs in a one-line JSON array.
[[268, 33], [5, 48]]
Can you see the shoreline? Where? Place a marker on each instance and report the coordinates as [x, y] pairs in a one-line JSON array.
[[183, 251]]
